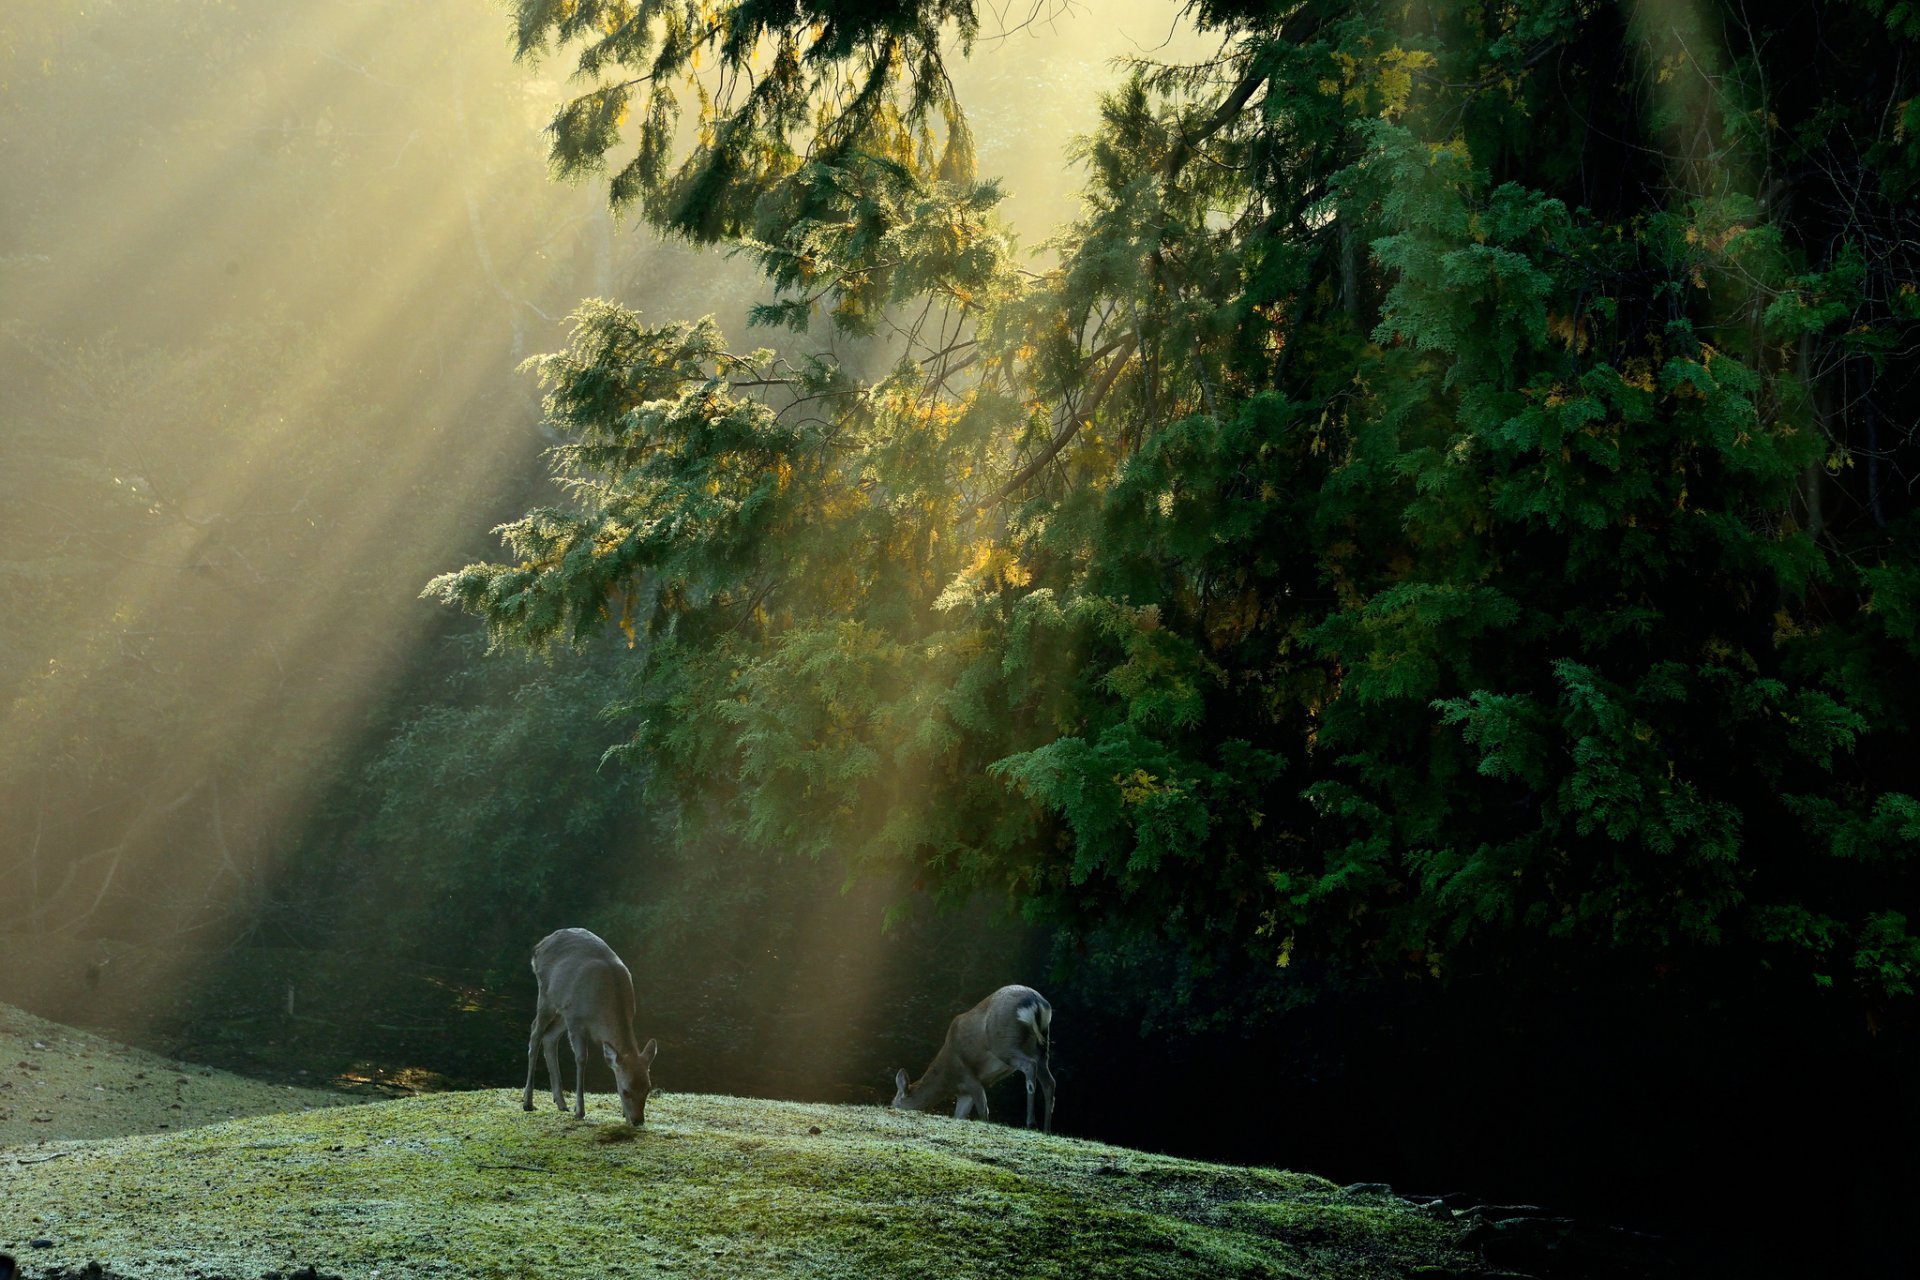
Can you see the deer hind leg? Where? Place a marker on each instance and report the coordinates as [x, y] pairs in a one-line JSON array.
[[540, 1023], [1040, 1081], [1044, 1071], [579, 1044], [550, 1046], [1039, 1070]]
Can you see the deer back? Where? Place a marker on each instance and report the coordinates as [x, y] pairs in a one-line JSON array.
[[590, 987], [985, 1043]]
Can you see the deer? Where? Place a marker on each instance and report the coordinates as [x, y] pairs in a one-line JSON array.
[[1009, 1031], [586, 993]]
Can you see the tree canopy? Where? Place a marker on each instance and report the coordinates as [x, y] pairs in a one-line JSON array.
[[1445, 507]]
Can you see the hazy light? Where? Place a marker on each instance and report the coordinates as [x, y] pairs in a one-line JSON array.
[[270, 320]]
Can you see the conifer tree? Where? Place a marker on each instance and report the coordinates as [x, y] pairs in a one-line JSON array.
[[1448, 510]]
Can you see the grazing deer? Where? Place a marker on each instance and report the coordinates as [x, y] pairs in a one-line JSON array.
[[587, 993], [1009, 1031]]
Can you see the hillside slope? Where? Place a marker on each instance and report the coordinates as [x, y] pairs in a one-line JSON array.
[[469, 1185], [59, 1082]]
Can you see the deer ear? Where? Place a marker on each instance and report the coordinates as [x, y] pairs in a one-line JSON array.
[[900, 1080], [647, 1054], [607, 1049]]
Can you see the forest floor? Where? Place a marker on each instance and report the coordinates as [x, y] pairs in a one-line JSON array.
[[469, 1185]]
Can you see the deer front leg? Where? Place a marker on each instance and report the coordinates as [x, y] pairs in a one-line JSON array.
[[533, 1056]]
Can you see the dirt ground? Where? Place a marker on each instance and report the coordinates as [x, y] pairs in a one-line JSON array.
[[57, 1082]]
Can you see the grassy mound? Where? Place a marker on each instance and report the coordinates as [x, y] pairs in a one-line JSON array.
[[469, 1185]]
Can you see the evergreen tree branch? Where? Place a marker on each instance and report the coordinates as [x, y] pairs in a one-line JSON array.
[[1065, 435]]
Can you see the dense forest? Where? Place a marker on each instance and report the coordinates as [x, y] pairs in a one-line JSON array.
[[1378, 567]]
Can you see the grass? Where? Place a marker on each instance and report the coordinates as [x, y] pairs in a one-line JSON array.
[[469, 1185]]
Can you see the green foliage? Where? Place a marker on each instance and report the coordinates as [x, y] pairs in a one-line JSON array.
[[493, 795], [1436, 518]]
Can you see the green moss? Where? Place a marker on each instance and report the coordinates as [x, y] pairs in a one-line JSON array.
[[467, 1184]]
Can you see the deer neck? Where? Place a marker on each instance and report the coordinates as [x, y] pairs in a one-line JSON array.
[[941, 1081]]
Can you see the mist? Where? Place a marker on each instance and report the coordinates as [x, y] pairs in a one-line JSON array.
[[267, 275]]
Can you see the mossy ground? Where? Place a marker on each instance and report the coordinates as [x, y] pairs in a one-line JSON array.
[[469, 1185]]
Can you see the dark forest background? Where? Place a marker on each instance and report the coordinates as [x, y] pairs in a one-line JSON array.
[[1380, 575]]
